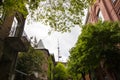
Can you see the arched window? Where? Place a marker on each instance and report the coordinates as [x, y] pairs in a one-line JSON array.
[[113, 1], [100, 16], [13, 28]]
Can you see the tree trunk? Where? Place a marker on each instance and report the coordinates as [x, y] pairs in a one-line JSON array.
[[20, 26], [90, 75], [9, 55], [99, 73], [83, 75], [7, 63]]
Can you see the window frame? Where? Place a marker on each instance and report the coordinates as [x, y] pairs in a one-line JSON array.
[[100, 16], [14, 26]]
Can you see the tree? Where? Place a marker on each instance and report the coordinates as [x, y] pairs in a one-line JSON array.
[[73, 64], [60, 72], [61, 15], [50, 68], [30, 62], [97, 42]]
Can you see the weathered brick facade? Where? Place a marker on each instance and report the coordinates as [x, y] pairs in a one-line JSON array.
[[110, 11]]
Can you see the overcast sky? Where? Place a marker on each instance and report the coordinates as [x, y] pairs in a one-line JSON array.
[[66, 40]]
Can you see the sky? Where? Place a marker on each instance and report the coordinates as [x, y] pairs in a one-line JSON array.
[[66, 40]]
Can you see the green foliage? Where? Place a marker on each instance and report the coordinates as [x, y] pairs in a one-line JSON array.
[[61, 15], [60, 72], [30, 61], [10, 6], [35, 61], [50, 69], [97, 42], [73, 64]]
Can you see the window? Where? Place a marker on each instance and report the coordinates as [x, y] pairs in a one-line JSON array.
[[100, 16], [113, 1], [13, 28]]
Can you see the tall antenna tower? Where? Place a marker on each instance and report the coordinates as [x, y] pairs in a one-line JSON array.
[[58, 51]]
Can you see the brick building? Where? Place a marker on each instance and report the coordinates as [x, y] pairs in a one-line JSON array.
[[12, 40], [108, 10], [105, 10], [48, 63]]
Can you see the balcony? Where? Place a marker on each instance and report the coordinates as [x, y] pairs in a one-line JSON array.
[[20, 44], [17, 38]]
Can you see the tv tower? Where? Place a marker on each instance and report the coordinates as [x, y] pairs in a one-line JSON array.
[[58, 52]]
